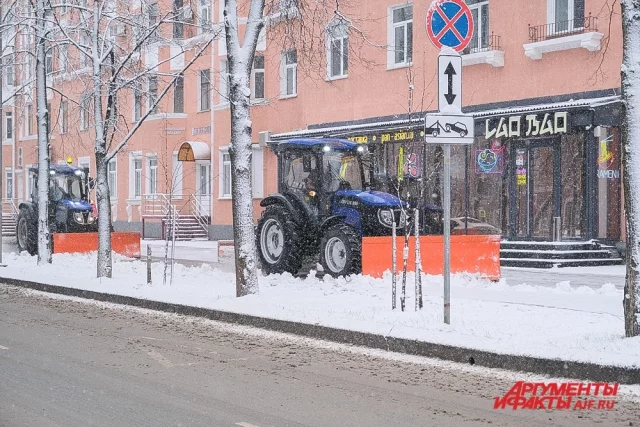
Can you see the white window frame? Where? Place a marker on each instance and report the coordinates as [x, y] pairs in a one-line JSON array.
[[29, 183], [84, 162], [64, 117], [62, 57], [200, 83], [285, 68], [224, 81], [551, 16], [85, 103], [20, 157], [29, 122], [176, 177], [478, 27], [48, 60], [112, 176], [337, 32], [8, 125], [204, 16], [138, 101], [257, 171], [8, 172], [151, 186], [137, 155], [224, 165], [152, 99], [254, 73], [391, 40]]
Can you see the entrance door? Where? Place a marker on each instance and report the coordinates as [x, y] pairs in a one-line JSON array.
[[536, 189], [203, 188], [20, 185]]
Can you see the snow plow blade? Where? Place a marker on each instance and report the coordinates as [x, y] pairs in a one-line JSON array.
[[469, 254], [127, 244]]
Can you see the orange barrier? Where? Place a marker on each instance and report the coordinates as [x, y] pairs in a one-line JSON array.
[[127, 244], [469, 254]]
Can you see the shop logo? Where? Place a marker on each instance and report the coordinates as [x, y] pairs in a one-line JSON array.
[[490, 160], [411, 166], [606, 160], [566, 395]]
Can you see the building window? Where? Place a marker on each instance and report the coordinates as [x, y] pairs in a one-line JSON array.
[[205, 15], [152, 16], [84, 112], [64, 122], [9, 72], [178, 26], [136, 165], [62, 57], [152, 178], [8, 125], [289, 75], [86, 43], [225, 84], [29, 120], [565, 15], [9, 184], [152, 94], [178, 94], [112, 178], [205, 89], [20, 157], [480, 39], [401, 35], [226, 175], [338, 50], [49, 60], [137, 102], [257, 77]]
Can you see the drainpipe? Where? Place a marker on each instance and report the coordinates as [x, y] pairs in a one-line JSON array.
[[591, 182], [212, 135]]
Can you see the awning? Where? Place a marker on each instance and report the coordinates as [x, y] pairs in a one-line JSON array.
[[191, 151], [574, 103]]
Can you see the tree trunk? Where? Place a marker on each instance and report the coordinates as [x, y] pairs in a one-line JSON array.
[[240, 61], [104, 263], [631, 160], [44, 248]]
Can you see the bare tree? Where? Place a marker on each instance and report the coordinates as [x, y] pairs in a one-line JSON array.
[[111, 38], [631, 163]]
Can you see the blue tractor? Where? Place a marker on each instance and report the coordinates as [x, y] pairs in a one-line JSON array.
[[325, 204], [69, 208]]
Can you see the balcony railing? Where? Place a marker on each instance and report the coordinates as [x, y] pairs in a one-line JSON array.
[[564, 28], [492, 44]]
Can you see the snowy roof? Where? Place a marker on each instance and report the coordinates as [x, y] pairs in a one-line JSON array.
[[333, 130], [574, 103]]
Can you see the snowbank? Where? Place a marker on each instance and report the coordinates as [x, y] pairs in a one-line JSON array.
[[568, 321]]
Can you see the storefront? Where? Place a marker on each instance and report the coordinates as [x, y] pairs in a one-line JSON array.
[[537, 172]]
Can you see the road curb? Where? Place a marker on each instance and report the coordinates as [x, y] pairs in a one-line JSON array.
[[550, 367]]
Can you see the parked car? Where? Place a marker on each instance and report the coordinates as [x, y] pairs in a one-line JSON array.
[[474, 226]]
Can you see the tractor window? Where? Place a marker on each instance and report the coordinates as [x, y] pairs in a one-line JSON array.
[[65, 187], [342, 171], [297, 171]]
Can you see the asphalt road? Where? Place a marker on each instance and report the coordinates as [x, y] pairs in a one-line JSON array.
[[70, 363]]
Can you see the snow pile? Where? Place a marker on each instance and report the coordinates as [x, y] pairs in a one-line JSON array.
[[568, 321]]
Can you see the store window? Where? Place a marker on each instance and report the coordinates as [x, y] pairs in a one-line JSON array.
[[609, 204]]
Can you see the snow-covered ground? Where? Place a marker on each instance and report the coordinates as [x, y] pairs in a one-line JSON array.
[[569, 322]]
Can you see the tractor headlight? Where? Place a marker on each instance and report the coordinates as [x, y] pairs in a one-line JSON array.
[[90, 218], [77, 217], [385, 216]]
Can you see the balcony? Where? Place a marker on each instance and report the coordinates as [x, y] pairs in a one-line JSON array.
[[487, 53], [565, 35]]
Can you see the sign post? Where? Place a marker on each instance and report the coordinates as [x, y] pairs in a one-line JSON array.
[[450, 29]]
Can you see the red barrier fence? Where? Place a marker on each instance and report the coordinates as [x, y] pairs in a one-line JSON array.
[[127, 244]]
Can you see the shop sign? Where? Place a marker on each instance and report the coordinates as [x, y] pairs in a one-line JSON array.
[[521, 176], [605, 160], [490, 160], [412, 165], [527, 126], [403, 135], [201, 130]]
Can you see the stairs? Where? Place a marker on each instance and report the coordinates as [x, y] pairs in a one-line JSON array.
[[557, 254], [8, 222], [188, 228]]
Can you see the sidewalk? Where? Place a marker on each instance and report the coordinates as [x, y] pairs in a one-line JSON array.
[[564, 322]]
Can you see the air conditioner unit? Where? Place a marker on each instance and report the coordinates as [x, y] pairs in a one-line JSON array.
[[264, 138]]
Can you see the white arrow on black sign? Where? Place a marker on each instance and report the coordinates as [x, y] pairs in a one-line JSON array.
[[450, 83]]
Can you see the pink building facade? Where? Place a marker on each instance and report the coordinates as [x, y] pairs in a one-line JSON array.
[[541, 78]]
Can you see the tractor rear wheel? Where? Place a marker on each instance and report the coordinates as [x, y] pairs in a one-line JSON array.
[[341, 251], [279, 241], [26, 234]]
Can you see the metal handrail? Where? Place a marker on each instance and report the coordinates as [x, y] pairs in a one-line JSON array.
[[563, 28], [196, 208]]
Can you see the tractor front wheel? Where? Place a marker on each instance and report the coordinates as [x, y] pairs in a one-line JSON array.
[[279, 241], [26, 234], [341, 251]]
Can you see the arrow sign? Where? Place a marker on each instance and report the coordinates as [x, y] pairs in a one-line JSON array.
[[450, 96], [450, 84]]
